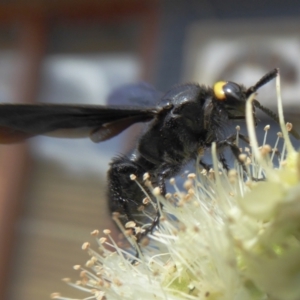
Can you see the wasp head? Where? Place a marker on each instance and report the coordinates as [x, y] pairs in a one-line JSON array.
[[233, 97]]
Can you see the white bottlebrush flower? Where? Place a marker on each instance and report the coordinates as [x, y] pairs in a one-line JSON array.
[[223, 238]]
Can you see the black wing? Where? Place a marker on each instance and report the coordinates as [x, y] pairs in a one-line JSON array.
[[21, 121]]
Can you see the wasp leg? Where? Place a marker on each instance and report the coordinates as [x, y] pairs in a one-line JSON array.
[[234, 149], [224, 162], [244, 138], [232, 138], [228, 142], [167, 171], [206, 166], [125, 196]]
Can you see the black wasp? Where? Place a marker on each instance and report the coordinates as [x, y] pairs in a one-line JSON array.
[[185, 121]]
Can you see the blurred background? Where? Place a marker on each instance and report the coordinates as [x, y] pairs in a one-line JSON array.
[[52, 191]]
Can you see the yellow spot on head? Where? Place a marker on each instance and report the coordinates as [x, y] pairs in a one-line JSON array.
[[218, 90]]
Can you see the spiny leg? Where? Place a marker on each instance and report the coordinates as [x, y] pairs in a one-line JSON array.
[[229, 142], [165, 172], [125, 196], [206, 166]]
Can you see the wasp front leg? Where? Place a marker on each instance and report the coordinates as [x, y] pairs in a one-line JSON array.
[[230, 142]]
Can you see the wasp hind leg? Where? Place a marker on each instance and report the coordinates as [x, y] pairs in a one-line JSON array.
[[162, 187], [124, 195]]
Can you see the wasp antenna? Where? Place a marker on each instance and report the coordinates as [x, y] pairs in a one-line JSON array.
[[265, 79], [267, 111], [274, 116]]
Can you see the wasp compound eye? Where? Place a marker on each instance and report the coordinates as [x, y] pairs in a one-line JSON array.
[[227, 90]]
